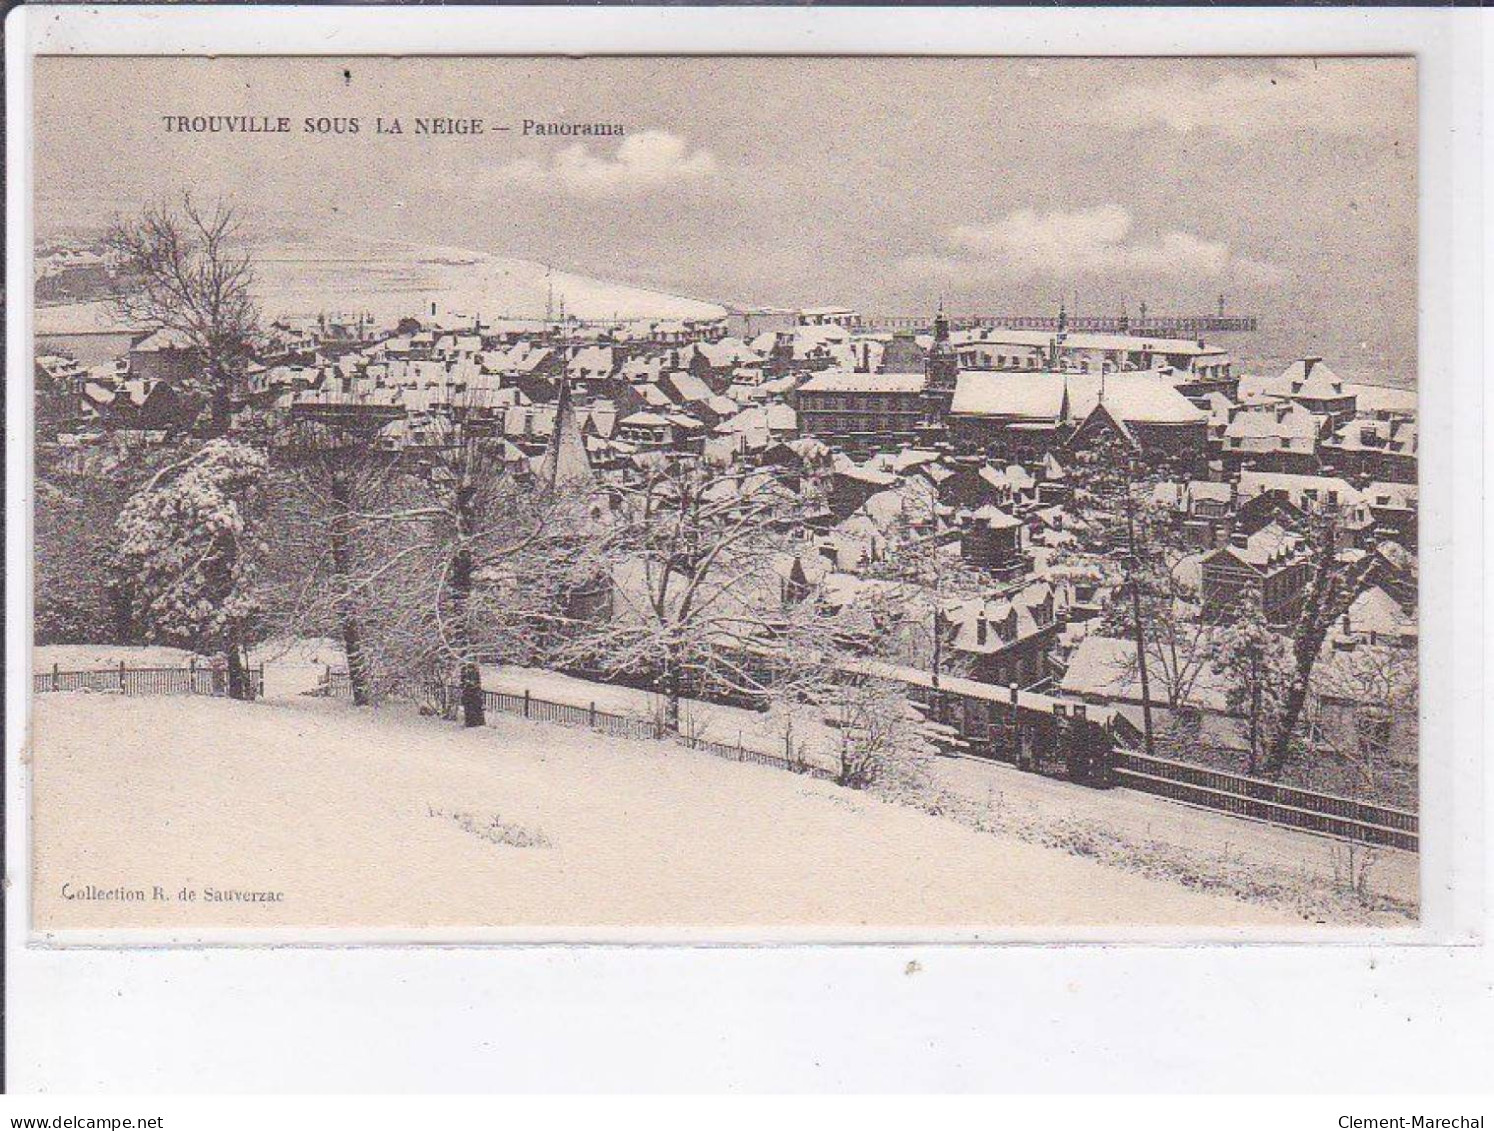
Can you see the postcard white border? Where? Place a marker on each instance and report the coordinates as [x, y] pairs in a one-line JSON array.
[[1451, 414]]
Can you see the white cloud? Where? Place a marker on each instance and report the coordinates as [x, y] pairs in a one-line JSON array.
[[1028, 244], [647, 160], [1337, 96]]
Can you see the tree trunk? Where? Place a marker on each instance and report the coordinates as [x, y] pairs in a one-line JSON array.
[[219, 405], [1291, 714], [469, 677], [1138, 632], [1255, 725], [342, 567], [670, 686], [1327, 597]]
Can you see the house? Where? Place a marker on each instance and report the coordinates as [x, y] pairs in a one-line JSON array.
[[165, 355], [992, 540], [872, 410], [1374, 449], [1273, 436], [749, 322], [1318, 389], [1004, 640], [1269, 567], [1392, 506], [829, 316], [851, 484]]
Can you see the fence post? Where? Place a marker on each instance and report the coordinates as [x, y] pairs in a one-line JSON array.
[[327, 678], [591, 715], [121, 676], [56, 678], [526, 702]]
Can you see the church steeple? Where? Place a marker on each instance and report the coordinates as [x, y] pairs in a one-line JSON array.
[[565, 464], [943, 365]]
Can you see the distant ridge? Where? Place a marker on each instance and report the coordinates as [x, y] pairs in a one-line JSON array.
[[389, 279]]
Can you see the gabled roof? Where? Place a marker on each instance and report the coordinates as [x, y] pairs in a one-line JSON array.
[[1136, 398], [1311, 379]]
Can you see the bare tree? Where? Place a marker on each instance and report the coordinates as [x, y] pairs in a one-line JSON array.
[[186, 269], [884, 739], [1363, 709], [928, 578], [339, 477], [1159, 578], [482, 543], [692, 558], [1112, 489]]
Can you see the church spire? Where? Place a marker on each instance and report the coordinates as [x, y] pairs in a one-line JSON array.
[[565, 464]]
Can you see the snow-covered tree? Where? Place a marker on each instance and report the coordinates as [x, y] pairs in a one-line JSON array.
[[187, 555], [464, 558], [1255, 662], [1337, 577], [885, 741], [692, 558], [334, 478]]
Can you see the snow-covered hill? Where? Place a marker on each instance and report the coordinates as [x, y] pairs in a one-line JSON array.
[[390, 279], [383, 819]]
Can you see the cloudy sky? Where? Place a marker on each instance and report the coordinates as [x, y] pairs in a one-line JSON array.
[[1288, 185]]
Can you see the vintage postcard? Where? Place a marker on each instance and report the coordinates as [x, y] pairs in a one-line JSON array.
[[761, 497]]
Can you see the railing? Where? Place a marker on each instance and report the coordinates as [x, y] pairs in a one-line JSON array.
[[528, 706], [1287, 805], [1344, 817], [146, 681]]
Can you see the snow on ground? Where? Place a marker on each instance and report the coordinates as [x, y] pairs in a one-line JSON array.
[[1024, 799], [93, 657], [995, 792], [387, 819], [291, 666], [716, 722]]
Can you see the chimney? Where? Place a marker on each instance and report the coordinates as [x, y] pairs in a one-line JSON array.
[[980, 627], [433, 310]]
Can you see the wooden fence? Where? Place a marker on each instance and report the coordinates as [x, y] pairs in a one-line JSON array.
[[1344, 817], [125, 680]]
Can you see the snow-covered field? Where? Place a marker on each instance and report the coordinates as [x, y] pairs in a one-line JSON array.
[[386, 819], [291, 666], [716, 722]]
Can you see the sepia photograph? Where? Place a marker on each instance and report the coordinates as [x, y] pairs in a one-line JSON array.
[[699, 496]]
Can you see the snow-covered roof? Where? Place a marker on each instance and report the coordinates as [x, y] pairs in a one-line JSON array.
[[847, 381], [163, 339], [1142, 397]]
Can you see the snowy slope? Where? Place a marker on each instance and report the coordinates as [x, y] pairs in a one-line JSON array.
[[386, 819]]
